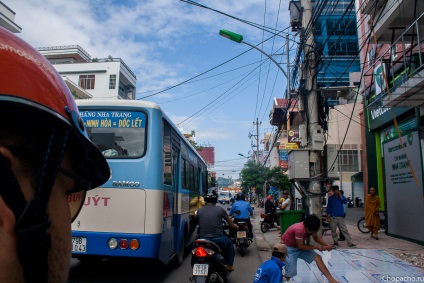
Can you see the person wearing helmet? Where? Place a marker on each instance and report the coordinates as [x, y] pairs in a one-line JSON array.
[[210, 222], [47, 164], [245, 211], [270, 208]]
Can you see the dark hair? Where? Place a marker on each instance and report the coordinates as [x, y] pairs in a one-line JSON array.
[[335, 187], [312, 222], [278, 254], [211, 197], [240, 196]]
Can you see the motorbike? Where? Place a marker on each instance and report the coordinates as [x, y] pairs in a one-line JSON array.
[[240, 235], [358, 202], [325, 223], [362, 226], [349, 202], [208, 263], [267, 223]]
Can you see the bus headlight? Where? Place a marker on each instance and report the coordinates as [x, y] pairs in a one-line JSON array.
[[112, 243]]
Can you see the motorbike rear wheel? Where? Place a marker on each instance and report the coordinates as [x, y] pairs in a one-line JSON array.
[[264, 227], [362, 226]]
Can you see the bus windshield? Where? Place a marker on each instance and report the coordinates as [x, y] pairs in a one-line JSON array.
[[118, 134]]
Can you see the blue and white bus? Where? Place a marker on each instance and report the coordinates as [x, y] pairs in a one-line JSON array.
[[143, 210]]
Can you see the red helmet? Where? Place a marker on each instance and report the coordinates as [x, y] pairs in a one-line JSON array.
[[269, 197], [29, 82]]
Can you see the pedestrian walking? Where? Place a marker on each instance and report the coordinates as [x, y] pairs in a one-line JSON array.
[[336, 216], [372, 214], [341, 236]]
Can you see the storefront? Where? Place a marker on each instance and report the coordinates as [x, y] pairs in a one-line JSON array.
[[394, 158]]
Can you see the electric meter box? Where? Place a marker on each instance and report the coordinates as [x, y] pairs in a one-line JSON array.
[[298, 164], [332, 161]]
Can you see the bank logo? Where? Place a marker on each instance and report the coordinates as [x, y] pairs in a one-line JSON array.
[[410, 139]]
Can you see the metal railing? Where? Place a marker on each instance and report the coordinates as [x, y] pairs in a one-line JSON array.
[[400, 62]]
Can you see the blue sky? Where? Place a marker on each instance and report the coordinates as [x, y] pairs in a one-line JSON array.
[[168, 42]]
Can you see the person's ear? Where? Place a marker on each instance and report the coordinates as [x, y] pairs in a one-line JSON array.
[[7, 218]]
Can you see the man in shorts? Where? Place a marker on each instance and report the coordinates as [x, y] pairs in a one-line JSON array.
[[295, 239]]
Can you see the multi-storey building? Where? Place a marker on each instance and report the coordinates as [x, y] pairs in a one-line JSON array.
[[7, 19], [89, 77], [392, 32], [336, 41]]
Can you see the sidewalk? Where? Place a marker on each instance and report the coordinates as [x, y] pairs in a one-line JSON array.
[[369, 261]]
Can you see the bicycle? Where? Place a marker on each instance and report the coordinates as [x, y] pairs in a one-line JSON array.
[[362, 226]]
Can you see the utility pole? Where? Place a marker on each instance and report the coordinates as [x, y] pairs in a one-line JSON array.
[[257, 139], [314, 130]]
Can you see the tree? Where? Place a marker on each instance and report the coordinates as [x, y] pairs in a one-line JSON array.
[[278, 179], [255, 175]]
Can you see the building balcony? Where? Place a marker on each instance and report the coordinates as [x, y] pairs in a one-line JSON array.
[[391, 17], [398, 74]]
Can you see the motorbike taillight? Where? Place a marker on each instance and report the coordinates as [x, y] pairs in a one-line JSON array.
[[202, 252]]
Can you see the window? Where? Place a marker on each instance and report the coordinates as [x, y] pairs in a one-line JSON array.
[[115, 139], [183, 172], [87, 81], [167, 160], [191, 177], [349, 161], [112, 82]]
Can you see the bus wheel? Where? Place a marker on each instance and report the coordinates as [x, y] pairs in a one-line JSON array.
[[179, 257]]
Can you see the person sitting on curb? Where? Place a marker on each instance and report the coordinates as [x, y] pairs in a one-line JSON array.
[[272, 270], [295, 239]]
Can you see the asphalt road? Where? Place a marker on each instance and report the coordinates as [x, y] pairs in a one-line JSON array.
[[146, 271]]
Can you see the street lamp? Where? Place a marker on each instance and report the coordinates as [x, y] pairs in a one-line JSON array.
[[239, 39], [243, 156]]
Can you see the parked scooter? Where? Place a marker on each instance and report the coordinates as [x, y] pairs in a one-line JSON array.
[[349, 202], [358, 202], [268, 222]]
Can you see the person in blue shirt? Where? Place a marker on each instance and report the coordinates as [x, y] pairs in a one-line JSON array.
[[336, 216], [245, 211], [272, 270]]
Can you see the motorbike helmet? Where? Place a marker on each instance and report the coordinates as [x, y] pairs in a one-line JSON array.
[[240, 196], [31, 89], [211, 197]]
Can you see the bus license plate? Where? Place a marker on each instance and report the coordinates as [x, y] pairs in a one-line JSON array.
[[200, 269], [79, 244], [241, 234]]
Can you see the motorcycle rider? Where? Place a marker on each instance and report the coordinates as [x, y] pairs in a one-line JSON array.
[[210, 221], [245, 210], [47, 163], [270, 208]]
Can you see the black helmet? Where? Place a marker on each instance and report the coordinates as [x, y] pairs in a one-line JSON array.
[[211, 197], [240, 196]]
